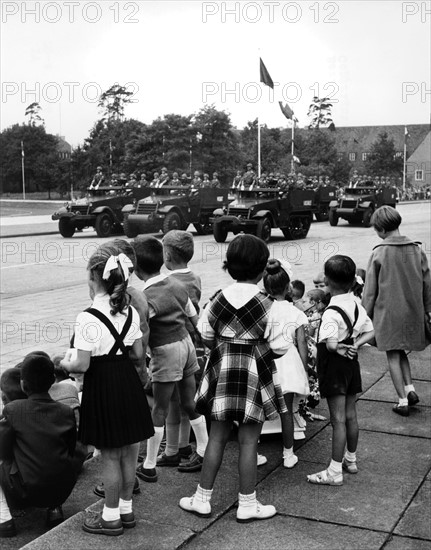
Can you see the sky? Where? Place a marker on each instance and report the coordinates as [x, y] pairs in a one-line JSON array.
[[371, 57]]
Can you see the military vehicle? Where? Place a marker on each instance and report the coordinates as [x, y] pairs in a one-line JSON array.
[[174, 207], [323, 196], [357, 204], [259, 210], [101, 208]]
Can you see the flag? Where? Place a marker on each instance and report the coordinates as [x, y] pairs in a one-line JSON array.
[[264, 75], [296, 159], [406, 134], [22, 149], [286, 110]]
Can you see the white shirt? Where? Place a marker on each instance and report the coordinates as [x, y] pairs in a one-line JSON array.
[[334, 326], [238, 294], [92, 335]]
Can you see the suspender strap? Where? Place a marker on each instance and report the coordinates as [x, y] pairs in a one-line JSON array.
[[119, 344], [346, 317]]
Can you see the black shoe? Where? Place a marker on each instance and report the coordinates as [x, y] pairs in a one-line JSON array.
[[402, 410], [7, 529], [99, 490], [185, 452], [54, 516], [412, 398], [193, 465], [165, 460], [147, 474], [128, 520], [98, 526]]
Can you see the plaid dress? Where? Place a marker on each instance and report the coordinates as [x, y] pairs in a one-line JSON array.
[[237, 383]]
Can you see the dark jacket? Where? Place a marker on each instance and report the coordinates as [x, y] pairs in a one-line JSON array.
[[37, 442]]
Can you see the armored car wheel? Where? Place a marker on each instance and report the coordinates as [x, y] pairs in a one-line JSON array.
[[263, 230], [66, 227], [366, 220], [220, 232], [130, 229], [104, 225], [333, 218], [171, 221], [203, 229]]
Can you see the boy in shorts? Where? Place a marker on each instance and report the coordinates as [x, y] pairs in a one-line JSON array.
[[173, 356], [344, 328]]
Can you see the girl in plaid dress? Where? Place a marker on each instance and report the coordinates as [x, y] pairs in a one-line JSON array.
[[237, 384]]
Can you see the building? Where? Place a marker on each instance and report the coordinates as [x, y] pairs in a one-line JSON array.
[[418, 169], [64, 149]]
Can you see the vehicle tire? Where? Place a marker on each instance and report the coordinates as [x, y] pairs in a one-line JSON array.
[[306, 224], [263, 230], [333, 218], [103, 225], [171, 221], [366, 220], [66, 227], [203, 229], [294, 229], [220, 232], [131, 230], [322, 216]]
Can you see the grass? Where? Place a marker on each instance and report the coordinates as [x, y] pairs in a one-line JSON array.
[[37, 196]]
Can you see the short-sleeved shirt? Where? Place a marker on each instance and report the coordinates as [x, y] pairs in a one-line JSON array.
[[92, 335], [334, 326]]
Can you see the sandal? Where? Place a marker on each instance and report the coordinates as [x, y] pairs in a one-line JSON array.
[[325, 478]]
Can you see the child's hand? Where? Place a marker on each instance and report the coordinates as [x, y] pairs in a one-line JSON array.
[[347, 351]]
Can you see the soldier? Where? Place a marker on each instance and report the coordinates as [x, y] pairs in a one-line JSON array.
[[196, 181], [185, 180], [122, 180], [175, 179], [206, 183], [237, 179], [156, 180], [133, 182], [272, 181], [164, 177], [249, 178], [114, 180], [263, 180], [98, 179], [143, 182], [215, 182]]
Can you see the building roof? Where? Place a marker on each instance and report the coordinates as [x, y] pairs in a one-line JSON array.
[[423, 151], [62, 145]]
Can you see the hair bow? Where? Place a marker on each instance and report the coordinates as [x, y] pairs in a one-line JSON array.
[[117, 261], [359, 280], [285, 265]]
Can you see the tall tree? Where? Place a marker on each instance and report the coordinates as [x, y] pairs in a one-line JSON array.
[[33, 114], [319, 112], [112, 102], [382, 159]]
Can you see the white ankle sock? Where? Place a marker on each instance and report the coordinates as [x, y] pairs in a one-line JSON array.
[[125, 506], [247, 500], [335, 468], [110, 514], [287, 452], [403, 401], [199, 427], [203, 495], [153, 445], [172, 439], [351, 457], [409, 388], [4, 508]]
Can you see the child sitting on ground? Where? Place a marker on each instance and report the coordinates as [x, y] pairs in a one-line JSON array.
[[344, 328]]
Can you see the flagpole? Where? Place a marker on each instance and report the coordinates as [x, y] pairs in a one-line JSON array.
[[404, 161], [292, 164], [22, 170], [258, 149]]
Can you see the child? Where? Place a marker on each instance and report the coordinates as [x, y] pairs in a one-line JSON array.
[[173, 356], [397, 296], [291, 368], [344, 328], [37, 442], [115, 415], [297, 295], [358, 287], [317, 300], [319, 281], [237, 383], [178, 250]]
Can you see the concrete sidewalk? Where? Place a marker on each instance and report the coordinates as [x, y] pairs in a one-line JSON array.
[[387, 505]]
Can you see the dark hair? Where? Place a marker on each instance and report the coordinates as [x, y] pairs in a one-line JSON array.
[[37, 373], [149, 253], [275, 278], [116, 284], [299, 286], [316, 294], [59, 372], [246, 257], [386, 218], [180, 245], [126, 248], [341, 271], [10, 385], [39, 353]]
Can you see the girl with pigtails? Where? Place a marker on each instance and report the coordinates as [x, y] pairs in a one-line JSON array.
[[115, 415]]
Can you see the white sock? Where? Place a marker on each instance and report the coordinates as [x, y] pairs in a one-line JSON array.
[[403, 401], [153, 445], [203, 495], [199, 427], [409, 388], [287, 452], [351, 457], [110, 514], [4, 508], [335, 468], [247, 500], [172, 439], [125, 506]]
